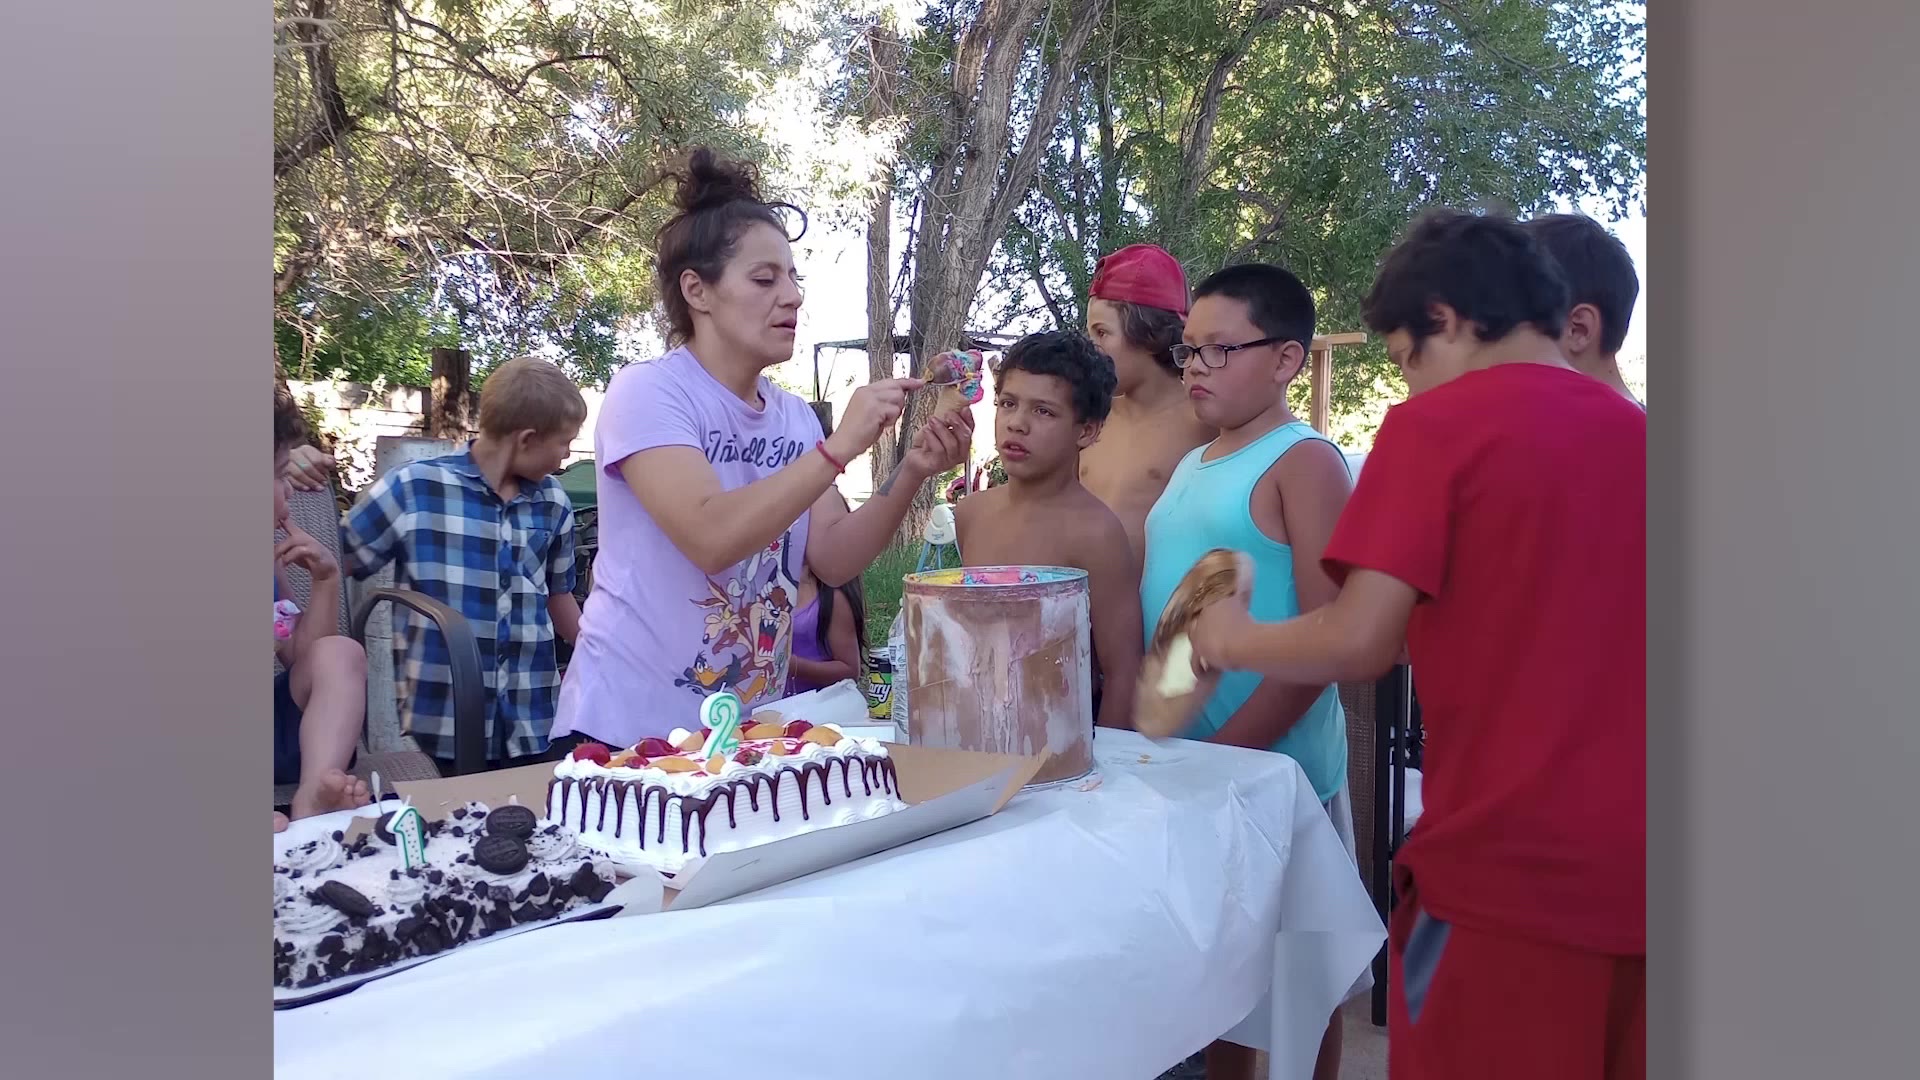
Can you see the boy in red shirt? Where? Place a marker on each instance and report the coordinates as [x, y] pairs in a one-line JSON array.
[[1499, 528]]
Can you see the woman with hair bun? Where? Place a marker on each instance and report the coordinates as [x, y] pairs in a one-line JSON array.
[[716, 487]]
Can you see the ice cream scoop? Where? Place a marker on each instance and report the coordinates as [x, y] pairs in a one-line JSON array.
[[960, 373]]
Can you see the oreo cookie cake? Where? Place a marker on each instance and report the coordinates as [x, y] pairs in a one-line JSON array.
[[341, 910]]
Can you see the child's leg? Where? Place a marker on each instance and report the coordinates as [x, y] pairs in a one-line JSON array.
[[1231, 1061], [329, 685]]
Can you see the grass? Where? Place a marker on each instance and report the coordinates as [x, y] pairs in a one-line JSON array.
[[882, 584]]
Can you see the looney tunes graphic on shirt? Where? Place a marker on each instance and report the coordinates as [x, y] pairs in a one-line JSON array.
[[747, 635]]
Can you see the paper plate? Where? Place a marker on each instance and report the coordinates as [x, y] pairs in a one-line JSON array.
[[1219, 575]]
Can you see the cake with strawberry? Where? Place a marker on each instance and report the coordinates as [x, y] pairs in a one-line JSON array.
[[666, 803]]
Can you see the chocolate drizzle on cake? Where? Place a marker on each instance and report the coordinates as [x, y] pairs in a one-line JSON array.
[[874, 772]]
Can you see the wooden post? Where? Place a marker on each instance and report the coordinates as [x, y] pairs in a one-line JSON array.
[[452, 386], [1321, 385], [1320, 376]]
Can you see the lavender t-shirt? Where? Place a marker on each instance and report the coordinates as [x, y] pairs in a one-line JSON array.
[[657, 635]]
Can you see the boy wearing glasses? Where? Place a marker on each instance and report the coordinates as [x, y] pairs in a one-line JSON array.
[[1272, 487]]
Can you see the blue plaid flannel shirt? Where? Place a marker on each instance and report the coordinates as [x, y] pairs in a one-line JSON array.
[[496, 563]]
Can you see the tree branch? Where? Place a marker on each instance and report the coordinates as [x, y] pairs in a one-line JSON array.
[[333, 121]]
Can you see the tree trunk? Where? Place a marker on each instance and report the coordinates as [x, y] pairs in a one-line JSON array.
[[448, 414], [978, 176], [1196, 137]]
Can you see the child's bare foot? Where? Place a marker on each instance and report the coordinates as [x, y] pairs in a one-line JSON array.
[[331, 790], [279, 821]]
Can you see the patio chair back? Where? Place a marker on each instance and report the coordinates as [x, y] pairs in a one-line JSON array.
[[318, 513]]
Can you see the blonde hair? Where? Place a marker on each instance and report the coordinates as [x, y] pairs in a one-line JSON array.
[[529, 394]]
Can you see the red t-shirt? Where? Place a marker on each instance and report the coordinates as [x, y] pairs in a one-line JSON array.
[[1514, 499]]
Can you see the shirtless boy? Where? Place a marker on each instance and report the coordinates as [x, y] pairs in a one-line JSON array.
[[1051, 393], [1135, 315]]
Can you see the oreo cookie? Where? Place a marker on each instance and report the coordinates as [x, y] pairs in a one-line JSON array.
[[513, 820], [344, 899], [583, 880], [386, 836], [500, 854]]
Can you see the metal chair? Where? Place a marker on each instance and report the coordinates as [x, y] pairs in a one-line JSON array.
[[939, 537], [318, 513], [1383, 740]]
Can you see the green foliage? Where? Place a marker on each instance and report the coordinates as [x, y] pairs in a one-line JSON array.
[[1332, 127], [490, 171], [883, 584]]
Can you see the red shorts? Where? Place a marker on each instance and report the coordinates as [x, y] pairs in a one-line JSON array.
[[1469, 1005]]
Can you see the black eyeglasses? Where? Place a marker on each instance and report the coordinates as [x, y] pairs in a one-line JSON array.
[[1214, 357]]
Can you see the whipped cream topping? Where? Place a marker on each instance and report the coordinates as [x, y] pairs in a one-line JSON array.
[[315, 855], [407, 891], [306, 916], [554, 846]]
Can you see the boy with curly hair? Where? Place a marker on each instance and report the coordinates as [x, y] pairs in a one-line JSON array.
[[1052, 392]]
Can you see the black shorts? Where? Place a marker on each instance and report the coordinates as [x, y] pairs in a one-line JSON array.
[[286, 731]]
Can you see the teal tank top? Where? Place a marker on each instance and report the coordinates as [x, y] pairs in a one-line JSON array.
[[1206, 505]]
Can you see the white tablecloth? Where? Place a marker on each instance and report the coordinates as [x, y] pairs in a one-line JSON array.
[[1107, 932]]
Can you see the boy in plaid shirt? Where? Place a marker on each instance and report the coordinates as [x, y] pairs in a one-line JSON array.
[[488, 532]]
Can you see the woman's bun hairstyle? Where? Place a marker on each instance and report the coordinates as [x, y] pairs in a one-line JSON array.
[[716, 199], [709, 180]]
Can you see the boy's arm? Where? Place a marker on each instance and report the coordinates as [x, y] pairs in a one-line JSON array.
[[372, 532], [963, 518], [1113, 584], [1356, 637], [562, 575], [1313, 484]]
